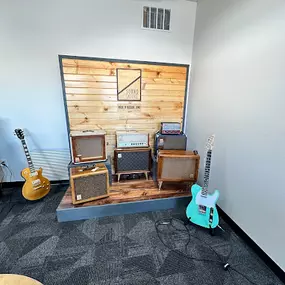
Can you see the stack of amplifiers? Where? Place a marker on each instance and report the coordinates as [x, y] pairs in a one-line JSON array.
[[88, 185], [88, 146], [177, 166], [132, 160]]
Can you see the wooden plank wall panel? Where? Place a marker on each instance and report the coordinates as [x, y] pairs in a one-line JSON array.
[[91, 95]]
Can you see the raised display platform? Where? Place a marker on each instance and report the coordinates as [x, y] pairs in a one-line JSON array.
[[132, 196]]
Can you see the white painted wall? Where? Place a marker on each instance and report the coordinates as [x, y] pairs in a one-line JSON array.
[[33, 33], [238, 93]]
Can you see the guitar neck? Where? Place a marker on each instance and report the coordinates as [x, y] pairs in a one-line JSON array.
[[28, 156], [207, 173]]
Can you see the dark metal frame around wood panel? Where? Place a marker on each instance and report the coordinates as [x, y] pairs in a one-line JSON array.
[[61, 57]]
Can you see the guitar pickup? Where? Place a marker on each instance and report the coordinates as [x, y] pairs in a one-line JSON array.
[[202, 209], [36, 182]]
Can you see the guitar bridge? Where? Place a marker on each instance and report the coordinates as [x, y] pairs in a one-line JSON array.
[[202, 209]]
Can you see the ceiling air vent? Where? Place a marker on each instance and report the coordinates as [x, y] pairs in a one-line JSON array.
[[156, 18]]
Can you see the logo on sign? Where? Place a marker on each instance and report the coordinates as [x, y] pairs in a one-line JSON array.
[[129, 84]]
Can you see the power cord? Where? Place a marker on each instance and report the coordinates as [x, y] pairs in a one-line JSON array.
[[226, 266], [10, 171]]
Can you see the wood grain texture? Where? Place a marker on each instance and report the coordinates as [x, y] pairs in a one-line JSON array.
[[130, 191], [14, 279], [111, 65], [91, 97]]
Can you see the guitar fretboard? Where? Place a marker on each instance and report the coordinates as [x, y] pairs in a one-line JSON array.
[[28, 156], [207, 173]]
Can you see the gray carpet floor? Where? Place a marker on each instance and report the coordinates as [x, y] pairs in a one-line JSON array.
[[119, 250]]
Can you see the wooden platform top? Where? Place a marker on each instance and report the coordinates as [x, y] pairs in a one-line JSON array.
[[130, 191]]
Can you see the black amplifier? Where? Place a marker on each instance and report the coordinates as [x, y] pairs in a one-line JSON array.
[[170, 142], [132, 160]]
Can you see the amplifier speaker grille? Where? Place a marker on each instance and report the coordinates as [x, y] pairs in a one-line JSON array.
[[178, 168], [90, 186], [132, 160], [89, 147]]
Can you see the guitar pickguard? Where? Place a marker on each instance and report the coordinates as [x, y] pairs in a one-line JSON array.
[[209, 201], [208, 218]]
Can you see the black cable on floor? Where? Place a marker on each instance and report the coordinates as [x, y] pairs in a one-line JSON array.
[[11, 172], [226, 266]]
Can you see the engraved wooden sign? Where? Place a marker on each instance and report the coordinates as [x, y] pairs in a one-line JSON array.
[[135, 107], [129, 84]]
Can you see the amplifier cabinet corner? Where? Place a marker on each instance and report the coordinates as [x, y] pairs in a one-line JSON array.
[[88, 185], [177, 166]]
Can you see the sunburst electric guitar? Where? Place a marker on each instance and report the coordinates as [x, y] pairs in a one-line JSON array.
[[202, 209], [36, 185]]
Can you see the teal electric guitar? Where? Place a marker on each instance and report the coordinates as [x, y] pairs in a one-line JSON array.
[[202, 209]]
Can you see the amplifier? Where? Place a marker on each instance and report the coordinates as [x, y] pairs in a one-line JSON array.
[[88, 146], [177, 166], [86, 165], [132, 139], [170, 128], [89, 185], [168, 142], [132, 160]]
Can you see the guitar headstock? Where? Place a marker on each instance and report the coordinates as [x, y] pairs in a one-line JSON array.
[[210, 143], [20, 134]]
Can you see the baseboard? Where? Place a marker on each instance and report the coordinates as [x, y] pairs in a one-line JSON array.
[[268, 261], [15, 184]]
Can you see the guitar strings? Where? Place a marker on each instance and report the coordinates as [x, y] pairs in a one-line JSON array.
[[227, 267]]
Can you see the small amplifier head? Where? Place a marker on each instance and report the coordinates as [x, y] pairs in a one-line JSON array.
[[170, 128], [132, 139]]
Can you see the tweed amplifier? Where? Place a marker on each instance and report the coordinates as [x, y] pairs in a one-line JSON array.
[[170, 128], [132, 160], [177, 166], [88, 146], [88, 185], [86, 165], [132, 139]]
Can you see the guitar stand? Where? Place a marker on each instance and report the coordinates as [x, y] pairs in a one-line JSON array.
[[212, 231]]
